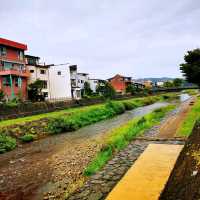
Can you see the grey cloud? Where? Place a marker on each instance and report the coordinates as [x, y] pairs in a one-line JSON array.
[[134, 37]]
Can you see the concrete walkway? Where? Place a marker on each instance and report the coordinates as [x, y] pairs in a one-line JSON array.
[[147, 177]]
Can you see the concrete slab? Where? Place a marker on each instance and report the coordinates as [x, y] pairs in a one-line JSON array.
[[147, 177]]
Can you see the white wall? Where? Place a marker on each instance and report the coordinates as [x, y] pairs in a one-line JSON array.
[[60, 85], [93, 84]]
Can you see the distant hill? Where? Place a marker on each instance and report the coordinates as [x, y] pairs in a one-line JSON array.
[[154, 80]]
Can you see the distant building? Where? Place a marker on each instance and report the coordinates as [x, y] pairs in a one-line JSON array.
[[138, 85], [38, 71], [13, 72], [120, 83], [77, 81], [159, 84], [148, 84], [94, 83]]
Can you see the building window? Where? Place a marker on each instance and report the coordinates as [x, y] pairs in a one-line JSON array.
[[31, 71], [82, 81], [2, 51], [42, 71], [59, 72], [6, 81]]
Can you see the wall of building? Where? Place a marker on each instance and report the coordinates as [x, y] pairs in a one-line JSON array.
[[60, 84], [18, 91], [118, 84], [93, 84]]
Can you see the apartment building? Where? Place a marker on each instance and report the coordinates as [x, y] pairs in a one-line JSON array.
[[77, 81], [13, 72], [38, 71], [120, 83]]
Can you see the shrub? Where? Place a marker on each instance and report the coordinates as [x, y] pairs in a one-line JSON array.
[[56, 125], [27, 138], [117, 107], [7, 143], [129, 105]]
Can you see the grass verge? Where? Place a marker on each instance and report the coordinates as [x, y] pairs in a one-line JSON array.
[[189, 122], [26, 129], [119, 137]]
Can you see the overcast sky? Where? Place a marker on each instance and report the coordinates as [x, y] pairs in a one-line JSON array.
[[139, 38]]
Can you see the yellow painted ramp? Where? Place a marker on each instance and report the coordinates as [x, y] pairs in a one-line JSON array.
[[147, 177]]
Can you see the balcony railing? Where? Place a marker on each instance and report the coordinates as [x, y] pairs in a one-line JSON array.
[[14, 71], [13, 60]]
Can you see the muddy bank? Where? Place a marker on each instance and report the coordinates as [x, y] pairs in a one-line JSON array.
[[49, 166], [184, 181]]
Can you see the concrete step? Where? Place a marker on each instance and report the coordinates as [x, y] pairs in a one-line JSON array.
[[146, 179]]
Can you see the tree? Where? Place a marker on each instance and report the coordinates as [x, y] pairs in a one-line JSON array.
[[131, 89], [87, 90], [106, 90], [168, 84], [191, 67], [177, 82], [35, 91]]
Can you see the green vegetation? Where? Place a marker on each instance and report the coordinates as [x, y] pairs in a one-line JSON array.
[[77, 120], [119, 137], [191, 67], [27, 137], [70, 111], [6, 143], [192, 117]]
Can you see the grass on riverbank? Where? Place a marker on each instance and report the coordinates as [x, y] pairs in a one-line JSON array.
[[135, 102], [26, 129], [119, 137], [189, 122]]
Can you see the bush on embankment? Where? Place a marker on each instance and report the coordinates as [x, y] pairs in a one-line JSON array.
[[119, 137], [6, 143], [95, 114], [72, 120]]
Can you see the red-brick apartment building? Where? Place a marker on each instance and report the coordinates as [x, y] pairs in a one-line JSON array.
[[120, 83], [13, 72]]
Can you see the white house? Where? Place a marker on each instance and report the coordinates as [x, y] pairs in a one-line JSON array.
[[60, 84], [77, 81], [95, 82]]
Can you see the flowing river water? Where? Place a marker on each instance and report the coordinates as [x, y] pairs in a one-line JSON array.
[[54, 162]]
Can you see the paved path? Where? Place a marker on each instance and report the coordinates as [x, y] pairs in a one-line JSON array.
[[147, 177]]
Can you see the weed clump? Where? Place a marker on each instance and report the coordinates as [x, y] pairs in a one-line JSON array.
[[7, 143]]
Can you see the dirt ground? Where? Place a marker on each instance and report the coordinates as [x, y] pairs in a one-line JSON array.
[[184, 180], [172, 124]]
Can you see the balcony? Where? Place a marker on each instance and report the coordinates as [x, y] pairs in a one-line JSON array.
[[12, 60], [16, 72]]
